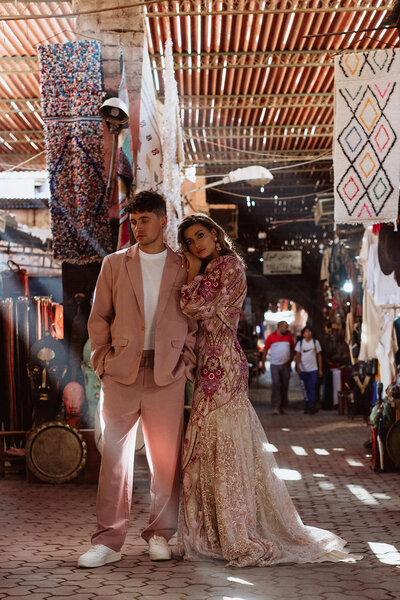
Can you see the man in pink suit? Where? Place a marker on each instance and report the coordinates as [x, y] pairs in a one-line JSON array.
[[143, 351]]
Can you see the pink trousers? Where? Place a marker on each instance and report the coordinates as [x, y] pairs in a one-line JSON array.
[[161, 409]]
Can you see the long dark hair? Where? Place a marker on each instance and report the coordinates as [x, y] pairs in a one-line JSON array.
[[227, 247]]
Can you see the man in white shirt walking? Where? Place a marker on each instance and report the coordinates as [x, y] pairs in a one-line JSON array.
[[143, 352], [309, 367], [281, 345]]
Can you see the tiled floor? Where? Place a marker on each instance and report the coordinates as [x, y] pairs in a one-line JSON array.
[[44, 528]]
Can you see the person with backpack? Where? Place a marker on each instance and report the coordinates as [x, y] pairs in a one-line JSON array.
[[309, 367]]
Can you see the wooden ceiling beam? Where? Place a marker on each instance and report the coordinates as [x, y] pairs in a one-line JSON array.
[[236, 131], [228, 7], [252, 53]]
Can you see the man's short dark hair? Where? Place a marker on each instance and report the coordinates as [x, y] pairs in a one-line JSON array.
[[146, 201], [309, 329]]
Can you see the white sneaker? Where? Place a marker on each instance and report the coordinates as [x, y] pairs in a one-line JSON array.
[[159, 549], [97, 556]]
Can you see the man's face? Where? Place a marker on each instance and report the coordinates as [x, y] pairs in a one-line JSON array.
[[283, 328], [307, 334], [147, 227]]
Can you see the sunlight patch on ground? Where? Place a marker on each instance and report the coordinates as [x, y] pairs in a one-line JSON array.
[[318, 475], [288, 474], [385, 553], [354, 463], [335, 425], [237, 580], [326, 485], [321, 451], [269, 447], [299, 450], [362, 494]]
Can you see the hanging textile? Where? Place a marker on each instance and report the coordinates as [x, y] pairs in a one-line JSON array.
[[71, 81], [124, 165], [387, 349], [366, 136], [383, 288], [172, 146], [149, 157]]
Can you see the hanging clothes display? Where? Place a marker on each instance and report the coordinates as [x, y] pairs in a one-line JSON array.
[[71, 80], [387, 349], [383, 288], [326, 257], [149, 173]]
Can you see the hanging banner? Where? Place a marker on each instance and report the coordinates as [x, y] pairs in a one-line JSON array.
[[287, 262], [149, 157], [366, 137]]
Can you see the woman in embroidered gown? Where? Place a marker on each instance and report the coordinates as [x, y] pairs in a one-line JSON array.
[[235, 507]]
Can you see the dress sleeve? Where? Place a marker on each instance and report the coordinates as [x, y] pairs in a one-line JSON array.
[[210, 293]]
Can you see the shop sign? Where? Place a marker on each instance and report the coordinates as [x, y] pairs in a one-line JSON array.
[[282, 263]]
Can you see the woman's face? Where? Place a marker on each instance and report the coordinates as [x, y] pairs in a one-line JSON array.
[[200, 241]]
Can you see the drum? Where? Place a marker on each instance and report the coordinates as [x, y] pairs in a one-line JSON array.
[[393, 443], [55, 452]]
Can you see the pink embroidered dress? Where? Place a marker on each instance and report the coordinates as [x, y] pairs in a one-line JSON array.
[[235, 507]]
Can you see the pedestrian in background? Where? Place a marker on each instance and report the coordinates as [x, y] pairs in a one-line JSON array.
[[281, 346], [309, 367]]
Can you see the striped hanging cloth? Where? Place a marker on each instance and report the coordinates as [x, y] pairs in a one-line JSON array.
[[124, 165]]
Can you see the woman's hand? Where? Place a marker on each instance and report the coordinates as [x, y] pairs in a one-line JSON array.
[[193, 266]]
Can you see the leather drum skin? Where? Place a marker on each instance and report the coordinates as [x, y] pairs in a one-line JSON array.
[[393, 443], [55, 452]]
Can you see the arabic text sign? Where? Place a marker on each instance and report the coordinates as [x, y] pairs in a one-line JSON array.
[[282, 263]]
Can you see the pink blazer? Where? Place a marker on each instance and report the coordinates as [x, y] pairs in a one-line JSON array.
[[116, 324]]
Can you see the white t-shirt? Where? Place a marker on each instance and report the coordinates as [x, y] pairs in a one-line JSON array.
[[308, 358], [152, 266]]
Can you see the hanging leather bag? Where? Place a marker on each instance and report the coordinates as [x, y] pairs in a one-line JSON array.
[[15, 281]]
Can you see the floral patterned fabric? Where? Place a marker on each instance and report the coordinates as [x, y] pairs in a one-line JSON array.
[[235, 506]]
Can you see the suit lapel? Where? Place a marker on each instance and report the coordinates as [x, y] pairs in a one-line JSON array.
[[135, 275], [170, 272]]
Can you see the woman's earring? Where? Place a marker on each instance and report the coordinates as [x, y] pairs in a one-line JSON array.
[[217, 245]]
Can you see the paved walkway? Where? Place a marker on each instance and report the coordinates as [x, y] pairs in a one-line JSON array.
[[44, 528]]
